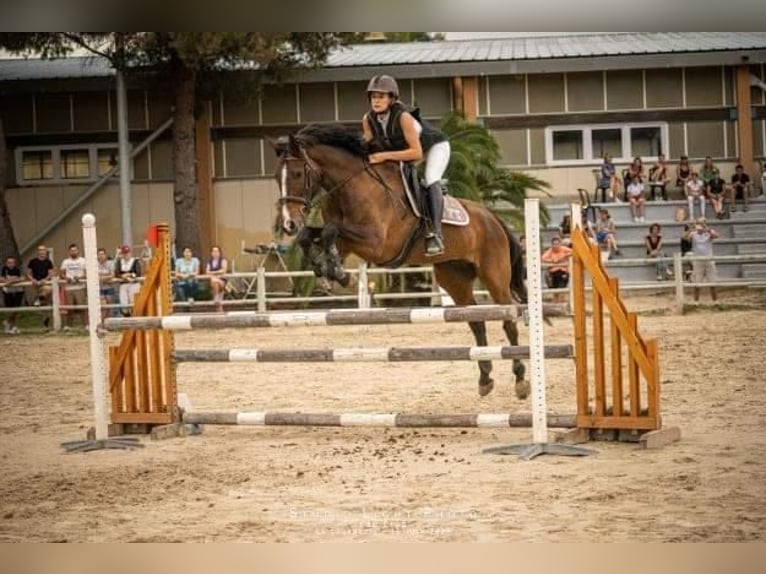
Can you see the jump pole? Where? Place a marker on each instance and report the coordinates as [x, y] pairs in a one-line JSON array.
[[539, 444], [100, 438]]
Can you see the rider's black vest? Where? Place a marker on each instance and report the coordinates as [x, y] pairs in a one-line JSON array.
[[391, 138]]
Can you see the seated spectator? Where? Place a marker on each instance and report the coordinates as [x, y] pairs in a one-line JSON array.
[[13, 294], [740, 187], [637, 199], [606, 235], [608, 181], [702, 237], [107, 289], [73, 274], [717, 189], [695, 192], [40, 272], [683, 172], [708, 173], [217, 266], [557, 272], [565, 230], [686, 249], [635, 169], [187, 270], [658, 178], [127, 270], [653, 243]]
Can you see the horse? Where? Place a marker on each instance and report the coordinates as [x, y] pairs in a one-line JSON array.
[[365, 212]]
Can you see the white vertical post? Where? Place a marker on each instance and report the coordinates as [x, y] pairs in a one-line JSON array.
[[363, 292], [535, 311], [97, 360], [678, 273], [261, 288], [56, 303]]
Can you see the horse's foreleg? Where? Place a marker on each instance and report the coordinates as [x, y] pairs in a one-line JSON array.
[[334, 265], [308, 240], [486, 383], [519, 370]]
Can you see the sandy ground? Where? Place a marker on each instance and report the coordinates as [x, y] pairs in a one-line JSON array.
[[330, 484]]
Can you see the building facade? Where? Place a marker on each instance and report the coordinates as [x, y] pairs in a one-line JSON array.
[[555, 105]]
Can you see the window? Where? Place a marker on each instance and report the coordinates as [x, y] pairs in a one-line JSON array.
[[586, 145], [63, 164], [75, 164], [605, 141], [567, 145], [37, 165]]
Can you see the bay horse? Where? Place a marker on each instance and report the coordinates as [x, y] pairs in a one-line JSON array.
[[365, 212]]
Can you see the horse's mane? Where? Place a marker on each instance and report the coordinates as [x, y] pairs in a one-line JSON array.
[[334, 135]]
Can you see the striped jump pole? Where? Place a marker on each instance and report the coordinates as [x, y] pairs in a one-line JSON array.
[[402, 420], [365, 354], [376, 316]]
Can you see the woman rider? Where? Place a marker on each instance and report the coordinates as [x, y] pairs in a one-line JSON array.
[[394, 134]]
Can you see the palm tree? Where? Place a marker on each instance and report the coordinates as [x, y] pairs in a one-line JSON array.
[[474, 171]]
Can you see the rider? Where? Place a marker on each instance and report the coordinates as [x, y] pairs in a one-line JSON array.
[[394, 134]]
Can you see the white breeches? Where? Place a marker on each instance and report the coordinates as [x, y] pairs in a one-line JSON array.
[[437, 160]]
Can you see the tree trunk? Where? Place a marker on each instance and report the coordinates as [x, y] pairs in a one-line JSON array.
[[185, 186], [8, 245]]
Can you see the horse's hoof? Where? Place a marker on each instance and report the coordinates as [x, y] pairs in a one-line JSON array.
[[522, 389], [486, 388]]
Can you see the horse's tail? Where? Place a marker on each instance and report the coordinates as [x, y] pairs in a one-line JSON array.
[[518, 287]]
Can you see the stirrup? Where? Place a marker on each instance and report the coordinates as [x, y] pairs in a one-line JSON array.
[[434, 245]]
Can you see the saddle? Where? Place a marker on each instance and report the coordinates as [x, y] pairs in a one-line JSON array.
[[415, 190]]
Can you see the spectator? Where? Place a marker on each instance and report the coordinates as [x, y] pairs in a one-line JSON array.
[[636, 169], [608, 181], [637, 199], [106, 281], [565, 230], [686, 248], [73, 274], [702, 237], [557, 271], [763, 179], [695, 190], [217, 266], [740, 187], [683, 172], [653, 243], [717, 189], [40, 271], [708, 173], [658, 178], [587, 228], [606, 235], [13, 294], [187, 270], [127, 270]]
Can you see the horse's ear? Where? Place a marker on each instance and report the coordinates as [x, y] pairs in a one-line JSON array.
[[293, 146], [280, 145]]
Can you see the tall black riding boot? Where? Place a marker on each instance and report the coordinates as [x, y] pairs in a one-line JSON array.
[[434, 242]]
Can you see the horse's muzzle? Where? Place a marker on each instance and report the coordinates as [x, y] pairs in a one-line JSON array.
[[290, 227]]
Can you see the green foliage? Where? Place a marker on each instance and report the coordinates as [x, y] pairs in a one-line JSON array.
[[475, 173], [413, 36]]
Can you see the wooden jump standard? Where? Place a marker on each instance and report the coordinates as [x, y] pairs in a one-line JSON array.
[[142, 369]]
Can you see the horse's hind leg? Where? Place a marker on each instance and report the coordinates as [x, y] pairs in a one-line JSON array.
[[500, 291], [457, 280], [519, 370]]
